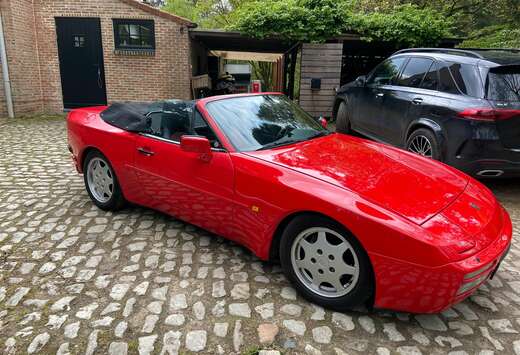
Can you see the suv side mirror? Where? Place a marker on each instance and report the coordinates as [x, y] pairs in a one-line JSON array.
[[361, 80], [198, 145]]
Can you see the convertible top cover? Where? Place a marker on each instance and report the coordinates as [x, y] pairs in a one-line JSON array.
[[134, 116]]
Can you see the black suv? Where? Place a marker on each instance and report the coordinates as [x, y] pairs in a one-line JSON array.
[[461, 107]]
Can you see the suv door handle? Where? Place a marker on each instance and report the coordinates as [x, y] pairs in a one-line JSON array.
[[143, 151], [417, 101], [379, 95]]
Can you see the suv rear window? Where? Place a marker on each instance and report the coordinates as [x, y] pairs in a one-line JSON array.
[[456, 78], [503, 83]]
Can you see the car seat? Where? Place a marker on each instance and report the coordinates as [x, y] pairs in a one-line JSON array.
[[175, 120]]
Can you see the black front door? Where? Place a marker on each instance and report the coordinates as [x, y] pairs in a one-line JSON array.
[[81, 62]]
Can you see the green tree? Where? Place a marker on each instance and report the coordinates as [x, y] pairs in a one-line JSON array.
[[484, 23], [494, 37], [319, 20], [213, 14], [184, 8]]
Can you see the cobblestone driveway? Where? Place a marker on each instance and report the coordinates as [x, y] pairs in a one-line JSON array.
[[76, 279]]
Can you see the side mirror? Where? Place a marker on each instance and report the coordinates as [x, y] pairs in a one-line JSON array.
[[361, 80], [197, 145], [323, 122]]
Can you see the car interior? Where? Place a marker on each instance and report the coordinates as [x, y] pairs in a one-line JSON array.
[[175, 120]]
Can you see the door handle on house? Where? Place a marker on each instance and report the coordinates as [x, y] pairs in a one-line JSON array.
[[100, 81], [143, 151], [417, 101], [379, 95]]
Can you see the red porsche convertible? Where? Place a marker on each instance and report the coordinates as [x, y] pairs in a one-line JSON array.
[[351, 221]]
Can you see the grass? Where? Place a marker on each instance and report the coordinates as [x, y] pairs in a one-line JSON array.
[[254, 350], [133, 347], [32, 118]]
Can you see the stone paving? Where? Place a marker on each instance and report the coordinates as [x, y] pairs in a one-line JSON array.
[[75, 279]]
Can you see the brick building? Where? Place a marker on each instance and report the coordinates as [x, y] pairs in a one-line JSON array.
[[73, 53], [70, 53]]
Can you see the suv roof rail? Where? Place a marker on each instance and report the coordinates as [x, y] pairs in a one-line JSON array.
[[464, 52]]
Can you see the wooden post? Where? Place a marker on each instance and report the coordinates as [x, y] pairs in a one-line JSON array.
[[294, 57], [285, 71], [323, 62]]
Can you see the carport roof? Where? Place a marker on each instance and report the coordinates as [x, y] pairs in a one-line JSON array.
[[219, 40]]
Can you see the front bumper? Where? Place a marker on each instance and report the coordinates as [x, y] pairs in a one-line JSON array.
[[414, 288], [75, 159]]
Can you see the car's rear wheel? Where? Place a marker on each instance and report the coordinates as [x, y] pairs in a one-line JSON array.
[[343, 119], [423, 142], [101, 182], [326, 264]]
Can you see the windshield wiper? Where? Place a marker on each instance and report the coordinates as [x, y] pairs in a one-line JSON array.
[[278, 144], [320, 134]]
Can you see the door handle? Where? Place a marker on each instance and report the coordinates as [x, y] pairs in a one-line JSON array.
[[417, 101], [143, 151], [379, 95], [100, 81]]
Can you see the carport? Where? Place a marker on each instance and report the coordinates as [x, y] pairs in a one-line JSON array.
[[323, 67], [210, 47]]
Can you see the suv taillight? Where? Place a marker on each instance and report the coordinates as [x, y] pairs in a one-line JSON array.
[[488, 114]]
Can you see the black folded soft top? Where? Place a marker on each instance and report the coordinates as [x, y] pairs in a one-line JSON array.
[[133, 116]]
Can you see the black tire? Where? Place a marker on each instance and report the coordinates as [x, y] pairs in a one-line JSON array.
[[428, 135], [343, 119], [364, 287], [116, 200]]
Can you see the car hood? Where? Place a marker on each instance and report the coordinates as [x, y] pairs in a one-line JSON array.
[[411, 186]]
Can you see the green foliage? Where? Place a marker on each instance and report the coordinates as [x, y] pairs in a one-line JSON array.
[[183, 8], [263, 71], [206, 13], [485, 23], [404, 25], [319, 20], [292, 19], [494, 37]]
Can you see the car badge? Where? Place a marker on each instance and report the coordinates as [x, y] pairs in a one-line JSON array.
[[474, 206]]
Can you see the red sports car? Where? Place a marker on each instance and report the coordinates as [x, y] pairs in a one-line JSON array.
[[351, 221]]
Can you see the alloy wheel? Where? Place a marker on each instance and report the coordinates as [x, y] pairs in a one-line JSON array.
[[100, 180], [421, 145], [325, 262]]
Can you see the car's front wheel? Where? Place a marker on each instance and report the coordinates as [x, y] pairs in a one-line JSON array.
[[101, 182], [343, 119], [326, 264]]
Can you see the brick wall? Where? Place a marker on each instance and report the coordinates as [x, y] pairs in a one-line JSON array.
[[132, 78], [166, 75], [320, 61], [22, 57]]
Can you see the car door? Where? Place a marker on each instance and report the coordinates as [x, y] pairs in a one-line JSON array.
[[179, 183], [369, 101], [404, 92]]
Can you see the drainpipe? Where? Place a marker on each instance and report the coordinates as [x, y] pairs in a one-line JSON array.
[[5, 71]]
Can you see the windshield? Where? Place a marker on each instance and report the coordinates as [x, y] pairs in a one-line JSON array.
[[503, 83], [263, 121]]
